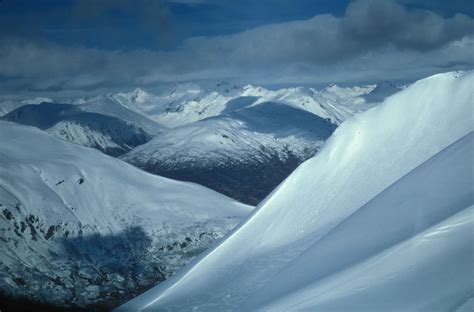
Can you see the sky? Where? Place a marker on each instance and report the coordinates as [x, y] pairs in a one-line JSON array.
[[60, 45]]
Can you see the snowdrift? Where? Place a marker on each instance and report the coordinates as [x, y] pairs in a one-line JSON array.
[[380, 220]]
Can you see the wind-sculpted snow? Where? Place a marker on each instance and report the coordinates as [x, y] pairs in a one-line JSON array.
[[379, 220], [79, 228]]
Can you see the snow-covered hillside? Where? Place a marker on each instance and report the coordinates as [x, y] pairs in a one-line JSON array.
[[109, 134], [379, 220], [78, 227], [243, 154]]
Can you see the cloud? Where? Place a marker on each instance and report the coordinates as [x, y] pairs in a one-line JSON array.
[[375, 39], [373, 22], [367, 25]]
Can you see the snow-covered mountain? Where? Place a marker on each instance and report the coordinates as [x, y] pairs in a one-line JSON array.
[[80, 228], [243, 154], [380, 219], [186, 103], [241, 141], [7, 106], [106, 105], [381, 91], [74, 123], [180, 104]]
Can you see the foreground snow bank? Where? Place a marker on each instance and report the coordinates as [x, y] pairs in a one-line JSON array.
[[380, 219]]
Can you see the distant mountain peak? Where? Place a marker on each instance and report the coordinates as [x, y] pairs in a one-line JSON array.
[[37, 100], [138, 95]]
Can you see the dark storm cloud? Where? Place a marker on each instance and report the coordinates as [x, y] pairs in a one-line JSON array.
[[374, 39]]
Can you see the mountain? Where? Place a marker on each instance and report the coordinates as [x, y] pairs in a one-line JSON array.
[[243, 154], [379, 220], [108, 134], [106, 105], [180, 104], [7, 106], [334, 103], [216, 137], [185, 103], [81, 229], [241, 141], [381, 91]]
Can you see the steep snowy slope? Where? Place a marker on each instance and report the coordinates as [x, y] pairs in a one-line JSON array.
[[111, 135], [243, 154], [380, 220], [78, 227]]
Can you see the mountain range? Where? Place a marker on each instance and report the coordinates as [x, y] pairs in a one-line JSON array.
[[84, 230], [239, 141], [379, 220]]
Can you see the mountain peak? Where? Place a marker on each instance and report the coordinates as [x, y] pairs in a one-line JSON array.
[[139, 95]]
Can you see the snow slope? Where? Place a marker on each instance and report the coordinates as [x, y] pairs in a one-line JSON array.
[[78, 227], [380, 220], [111, 135], [243, 154]]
